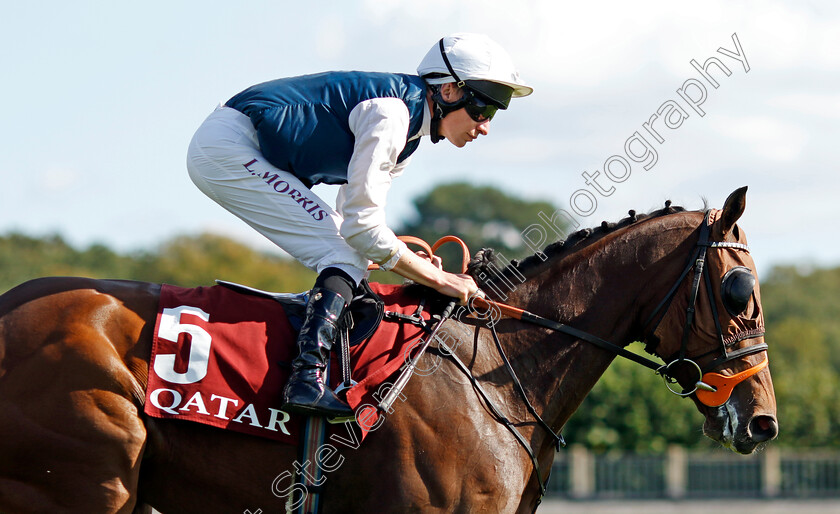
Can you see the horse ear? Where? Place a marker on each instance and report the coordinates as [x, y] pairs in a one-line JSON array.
[[733, 208]]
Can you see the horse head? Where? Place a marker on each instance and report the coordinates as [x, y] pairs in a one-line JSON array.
[[711, 335]]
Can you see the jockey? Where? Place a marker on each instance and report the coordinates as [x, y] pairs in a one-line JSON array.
[[259, 154]]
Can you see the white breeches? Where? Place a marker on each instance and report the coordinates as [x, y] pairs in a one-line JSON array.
[[225, 162]]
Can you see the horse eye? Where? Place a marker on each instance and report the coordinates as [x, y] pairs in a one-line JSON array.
[[736, 289]]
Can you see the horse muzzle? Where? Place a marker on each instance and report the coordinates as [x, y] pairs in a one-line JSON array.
[[741, 435]]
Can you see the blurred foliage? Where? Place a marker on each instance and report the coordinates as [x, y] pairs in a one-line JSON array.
[[802, 313], [184, 261], [483, 216]]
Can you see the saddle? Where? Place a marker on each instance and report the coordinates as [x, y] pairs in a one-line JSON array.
[[365, 312]]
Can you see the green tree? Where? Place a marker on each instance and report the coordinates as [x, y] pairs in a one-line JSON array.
[[630, 408], [185, 261], [812, 296], [806, 384], [483, 216], [23, 257], [199, 260], [802, 317]]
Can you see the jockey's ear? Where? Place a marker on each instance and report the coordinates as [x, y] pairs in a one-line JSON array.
[[733, 208], [450, 92]]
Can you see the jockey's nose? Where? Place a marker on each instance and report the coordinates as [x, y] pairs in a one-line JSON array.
[[483, 128]]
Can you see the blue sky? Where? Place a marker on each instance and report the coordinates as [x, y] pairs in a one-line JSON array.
[[101, 99]]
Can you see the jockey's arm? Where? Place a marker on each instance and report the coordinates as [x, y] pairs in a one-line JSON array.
[[380, 126], [421, 270]]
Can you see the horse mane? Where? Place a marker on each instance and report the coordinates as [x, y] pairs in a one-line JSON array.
[[485, 259]]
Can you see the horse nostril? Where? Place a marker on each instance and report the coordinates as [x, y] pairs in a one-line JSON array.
[[763, 428]]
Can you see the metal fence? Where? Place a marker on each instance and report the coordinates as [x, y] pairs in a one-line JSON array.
[[813, 475], [773, 473]]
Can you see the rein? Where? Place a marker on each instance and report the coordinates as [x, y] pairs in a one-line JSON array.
[[713, 385]]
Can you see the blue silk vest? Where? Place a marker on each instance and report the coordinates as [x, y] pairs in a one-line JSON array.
[[302, 122]]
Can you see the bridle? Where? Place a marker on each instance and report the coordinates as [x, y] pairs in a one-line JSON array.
[[713, 389]]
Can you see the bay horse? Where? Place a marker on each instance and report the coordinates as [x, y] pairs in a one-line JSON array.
[[74, 360]]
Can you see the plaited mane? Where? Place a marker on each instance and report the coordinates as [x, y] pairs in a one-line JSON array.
[[485, 258]]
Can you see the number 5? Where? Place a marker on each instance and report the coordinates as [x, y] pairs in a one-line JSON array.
[[170, 328]]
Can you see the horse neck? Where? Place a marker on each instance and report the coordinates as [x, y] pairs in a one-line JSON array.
[[605, 289]]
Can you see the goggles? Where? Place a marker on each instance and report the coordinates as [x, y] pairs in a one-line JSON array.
[[478, 109]]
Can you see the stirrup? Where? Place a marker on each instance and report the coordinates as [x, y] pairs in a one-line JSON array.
[[341, 419], [344, 385]]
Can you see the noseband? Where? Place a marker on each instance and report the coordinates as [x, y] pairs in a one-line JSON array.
[[713, 389]]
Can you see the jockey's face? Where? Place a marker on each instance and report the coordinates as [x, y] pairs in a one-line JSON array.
[[457, 126]]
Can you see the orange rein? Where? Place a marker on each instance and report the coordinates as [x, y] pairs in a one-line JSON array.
[[478, 301], [430, 250]]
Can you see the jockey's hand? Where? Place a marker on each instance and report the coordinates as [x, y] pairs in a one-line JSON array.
[[423, 271], [459, 286]]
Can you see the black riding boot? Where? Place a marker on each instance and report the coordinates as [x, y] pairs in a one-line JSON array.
[[306, 392]]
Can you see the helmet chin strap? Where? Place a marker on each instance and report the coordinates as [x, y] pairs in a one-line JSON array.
[[441, 109], [435, 125]]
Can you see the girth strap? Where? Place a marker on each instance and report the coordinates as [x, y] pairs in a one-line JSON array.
[[558, 438], [497, 413], [417, 320], [344, 359]]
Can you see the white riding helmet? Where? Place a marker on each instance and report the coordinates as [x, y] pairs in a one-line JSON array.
[[477, 62]]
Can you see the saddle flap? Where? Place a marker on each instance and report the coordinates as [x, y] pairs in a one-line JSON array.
[[244, 341], [366, 312]]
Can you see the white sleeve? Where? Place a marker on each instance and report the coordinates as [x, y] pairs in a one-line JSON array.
[[380, 126]]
